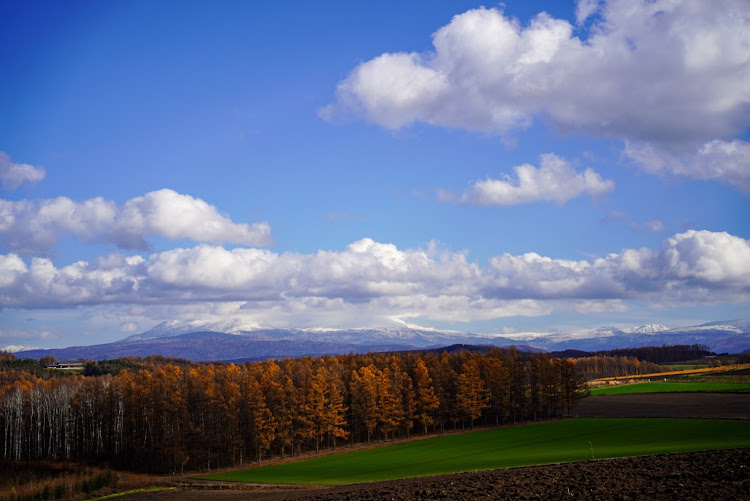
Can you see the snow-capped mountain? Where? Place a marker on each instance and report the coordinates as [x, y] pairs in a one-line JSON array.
[[727, 327], [720, 336], [171, 328], [237, 340], [725, 336], [741, 324], [405, 336], [647, 329]]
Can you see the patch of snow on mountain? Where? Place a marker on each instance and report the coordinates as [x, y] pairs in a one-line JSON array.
[[233, 326], [742, 324], [524, 336], [599, 332], [13, 348], [647, 329], [713, 327]]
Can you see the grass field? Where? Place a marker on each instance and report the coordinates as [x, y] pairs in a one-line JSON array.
[[669, 387], [542, 443]]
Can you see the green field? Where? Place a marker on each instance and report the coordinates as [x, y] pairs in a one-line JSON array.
[[542, 443], [668, 387]]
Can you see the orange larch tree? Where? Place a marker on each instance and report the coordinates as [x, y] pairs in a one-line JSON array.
[[472, 392], [426, 400]]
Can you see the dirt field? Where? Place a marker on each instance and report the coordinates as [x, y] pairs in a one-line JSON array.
[[714, 475], [669, 405]]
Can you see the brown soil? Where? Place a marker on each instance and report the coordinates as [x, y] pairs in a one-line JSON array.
[[722, 474], [669, 405]]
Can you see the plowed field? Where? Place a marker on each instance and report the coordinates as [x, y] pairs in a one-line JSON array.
[[668, 405]]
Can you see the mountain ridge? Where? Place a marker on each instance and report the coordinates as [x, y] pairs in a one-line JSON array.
[[196, 341]]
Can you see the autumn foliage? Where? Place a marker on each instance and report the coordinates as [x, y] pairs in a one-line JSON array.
[[171, 417], [601, 366]]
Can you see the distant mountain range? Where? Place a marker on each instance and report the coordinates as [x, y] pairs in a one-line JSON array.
[[237, 341], [731, 336]]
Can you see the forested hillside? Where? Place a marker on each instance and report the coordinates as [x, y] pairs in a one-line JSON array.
[[599, 366], [662, 354], [171, 417], [632, 361]]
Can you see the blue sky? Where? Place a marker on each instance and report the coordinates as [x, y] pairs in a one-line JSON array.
[[531, 166]]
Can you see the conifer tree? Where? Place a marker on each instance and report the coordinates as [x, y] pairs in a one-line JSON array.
[[472, 393], [426, 400]]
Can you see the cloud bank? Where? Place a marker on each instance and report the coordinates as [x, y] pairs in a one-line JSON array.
[[33, 227], [554, 180], [13, 175], [380, 279], [665, 76]]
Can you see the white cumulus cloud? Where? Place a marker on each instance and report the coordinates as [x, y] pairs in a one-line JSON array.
[[691, 266], [660, 72], [128, 327], [34, 226], [585, 9], [13, 175], [377, 281], [723, 161], [554, 180]]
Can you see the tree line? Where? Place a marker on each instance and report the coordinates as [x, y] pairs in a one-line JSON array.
[[602, 366], [175, 417], [662, 354]]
